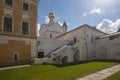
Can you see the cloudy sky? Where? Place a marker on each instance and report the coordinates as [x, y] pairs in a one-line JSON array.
[[104, 14]]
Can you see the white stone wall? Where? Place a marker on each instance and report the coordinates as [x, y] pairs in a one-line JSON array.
[[102, 49], [83, 52], [84, 35], [108, 49], [54, 29], [49, 44], [76, 33], [90, 35], [43, 60], [69, 51], [88, 46]]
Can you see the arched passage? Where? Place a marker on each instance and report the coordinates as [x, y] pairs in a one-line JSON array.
[[65, 60], [116, 51], [16, 56], [41, 53], [76, 55], [102, 53]]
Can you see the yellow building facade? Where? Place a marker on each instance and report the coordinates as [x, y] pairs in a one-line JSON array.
[[18, 20]]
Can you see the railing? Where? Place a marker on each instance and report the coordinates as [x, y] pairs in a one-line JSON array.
[[55, 50], [70, 43], [52, 52]]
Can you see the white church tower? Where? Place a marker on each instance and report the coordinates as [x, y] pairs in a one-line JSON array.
[[52, 29]]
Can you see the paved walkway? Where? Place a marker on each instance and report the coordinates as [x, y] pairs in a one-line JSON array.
[[100, 75], [4, 68]]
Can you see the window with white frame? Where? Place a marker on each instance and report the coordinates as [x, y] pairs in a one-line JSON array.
[[25, 6], [7, 24], [25, 27], [9, 2]]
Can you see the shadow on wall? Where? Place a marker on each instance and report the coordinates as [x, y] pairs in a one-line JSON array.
[[65, 60], [76, 56]]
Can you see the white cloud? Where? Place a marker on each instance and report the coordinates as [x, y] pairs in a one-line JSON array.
[[38, 29], [57, 17], [46, 19], [84, 14], [96, 10], [68, 24], [109, 26], [60, 23]]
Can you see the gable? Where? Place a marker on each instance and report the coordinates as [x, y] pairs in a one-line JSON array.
[[55, 27], [78, 33]]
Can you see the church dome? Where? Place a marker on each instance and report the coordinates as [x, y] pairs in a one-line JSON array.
[[51, 15]]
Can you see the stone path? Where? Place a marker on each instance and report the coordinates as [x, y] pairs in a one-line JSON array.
[[101, 75], [4, 68]]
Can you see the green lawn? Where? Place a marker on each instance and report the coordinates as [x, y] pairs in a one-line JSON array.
[[51, 72], [115, 76]]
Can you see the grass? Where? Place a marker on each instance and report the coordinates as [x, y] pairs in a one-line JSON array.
[[115, 76], [51, 72]]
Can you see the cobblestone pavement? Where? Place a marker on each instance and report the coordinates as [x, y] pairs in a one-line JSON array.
[[4, 68], [101, 75]]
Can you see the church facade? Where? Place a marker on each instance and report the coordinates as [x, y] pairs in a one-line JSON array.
[[18, 20], [52, 29]]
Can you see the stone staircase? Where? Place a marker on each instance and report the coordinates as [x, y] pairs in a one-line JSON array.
[[66, 50], [56, 56]]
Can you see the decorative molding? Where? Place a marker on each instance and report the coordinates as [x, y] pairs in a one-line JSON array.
[[27, 42], [8, 11], [25, 16]]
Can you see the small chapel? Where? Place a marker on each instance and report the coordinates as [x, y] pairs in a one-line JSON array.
[[52, 29]]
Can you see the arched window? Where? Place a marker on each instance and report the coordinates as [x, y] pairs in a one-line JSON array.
[[75, 40], [16, 56], [65, 60], [92, 39], [50, 35]]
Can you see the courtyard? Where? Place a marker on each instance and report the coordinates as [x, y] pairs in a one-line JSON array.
[[52, 72]]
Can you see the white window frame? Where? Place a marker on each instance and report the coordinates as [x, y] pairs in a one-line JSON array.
[[9, 5], [12, 23], [28, 26], [28, 6]]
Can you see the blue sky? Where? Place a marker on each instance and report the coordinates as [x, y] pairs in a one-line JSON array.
[[79, 12]]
